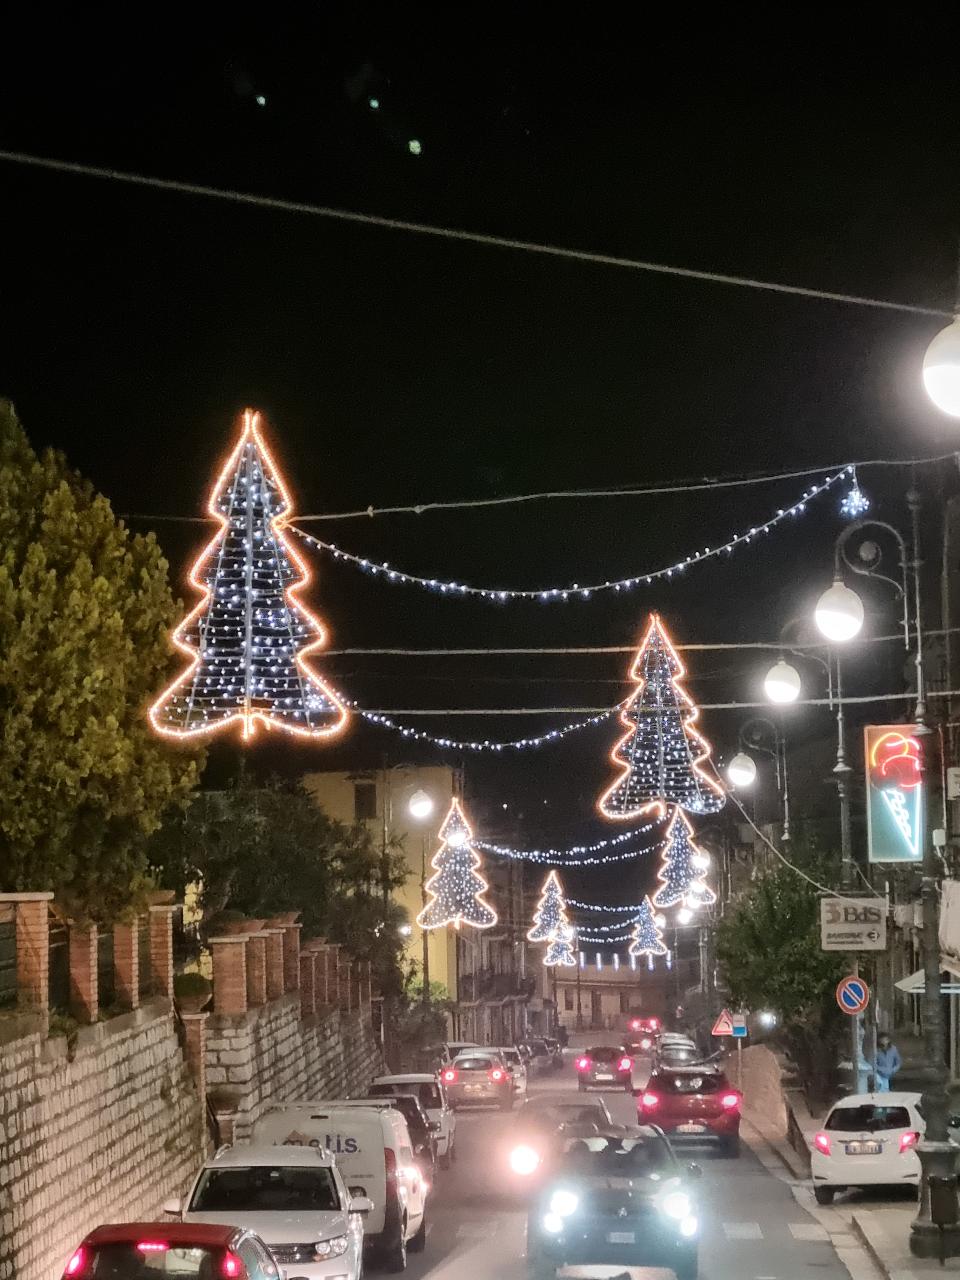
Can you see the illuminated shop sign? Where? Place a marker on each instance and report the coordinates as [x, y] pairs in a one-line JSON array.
[[896, 793]]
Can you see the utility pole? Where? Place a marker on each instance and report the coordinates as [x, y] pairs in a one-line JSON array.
[[424, 933]]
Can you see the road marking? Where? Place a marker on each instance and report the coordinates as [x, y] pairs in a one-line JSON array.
[[742, 1231], [478, 1230], [808, 1231]]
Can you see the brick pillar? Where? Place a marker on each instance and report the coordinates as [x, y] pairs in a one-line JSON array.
[[333, 974], [33, 948], [126, 964], [274, 963], [229, 973], [291, 957], [256, 969], [195, 1035], [160, 924], [356, 984], [346, 988], [308, 996], [319, 949], [84, 979]]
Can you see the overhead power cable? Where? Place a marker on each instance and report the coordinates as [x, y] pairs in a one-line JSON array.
[[453, 233]]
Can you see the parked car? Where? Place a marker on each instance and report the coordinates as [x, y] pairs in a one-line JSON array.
[[693, 1104], [433, 1099], [184, 1251], [446, 1052], [294, 1198], [541, 1059], [373, 1150], [867, 1140], [540, 1126], [478, 1077], [422, 1134], [604, 1066], [513, 1060]]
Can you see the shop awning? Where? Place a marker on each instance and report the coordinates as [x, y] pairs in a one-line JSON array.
[[914, 984]]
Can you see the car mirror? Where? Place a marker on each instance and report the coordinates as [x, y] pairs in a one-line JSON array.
[[172, 1206], [361, 1204], [694, 1172]]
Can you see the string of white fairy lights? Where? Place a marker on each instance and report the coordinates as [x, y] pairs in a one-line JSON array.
[[575, 591], [560, 858], [485, 744]]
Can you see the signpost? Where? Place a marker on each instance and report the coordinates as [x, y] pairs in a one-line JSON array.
[[723, 1025], [853, 924], [735, 1025], [853, 994]]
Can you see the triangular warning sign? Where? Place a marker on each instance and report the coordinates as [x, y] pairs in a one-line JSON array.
[[723, 1025]]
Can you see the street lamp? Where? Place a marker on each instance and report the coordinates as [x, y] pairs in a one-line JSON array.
[[781, 684], [742, 770], [941, 369], [839, 613], [420, 805]]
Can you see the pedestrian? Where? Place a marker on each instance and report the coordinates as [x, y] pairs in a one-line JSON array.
[[888, 1063]]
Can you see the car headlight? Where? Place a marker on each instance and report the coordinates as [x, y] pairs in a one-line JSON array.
[[524, 1160], [688, 1227], [331, 1248], [552, 1223], [676, 1205], [563, 1203]]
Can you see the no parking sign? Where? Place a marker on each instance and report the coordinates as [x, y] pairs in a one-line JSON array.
[[853, 994]]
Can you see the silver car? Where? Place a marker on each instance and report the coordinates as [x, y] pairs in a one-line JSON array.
[[478, 1078]]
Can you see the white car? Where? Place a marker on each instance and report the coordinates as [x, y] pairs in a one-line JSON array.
[[372, 1147], [433, 1099], [513, 1061], [294, 1198], [867, 1140]]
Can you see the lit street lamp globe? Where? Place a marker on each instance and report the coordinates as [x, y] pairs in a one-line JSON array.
[[420, 805], [839, 613], [782, 683], [941, 369], [742, 770], [684, 915]]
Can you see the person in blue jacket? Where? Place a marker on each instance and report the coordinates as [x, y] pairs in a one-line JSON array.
[[888, 1063]]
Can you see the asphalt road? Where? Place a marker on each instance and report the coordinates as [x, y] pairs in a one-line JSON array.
[[757, 1225]]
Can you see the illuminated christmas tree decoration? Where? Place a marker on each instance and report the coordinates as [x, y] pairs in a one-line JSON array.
[[456, 891], [684, 862], [560, 951], [551, 912], [661, 753], [249, 635]]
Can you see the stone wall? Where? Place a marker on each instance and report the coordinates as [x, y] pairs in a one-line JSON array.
[[271, 1054], [104, 1136]]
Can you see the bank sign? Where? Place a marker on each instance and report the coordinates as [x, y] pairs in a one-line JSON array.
[[853, 924], [896, 793]]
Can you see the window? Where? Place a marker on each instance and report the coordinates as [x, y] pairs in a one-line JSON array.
[[568, 999], [624, 1001], [475, 1064], [711, 1083], [259, 1266], [364, 801], [127, 1262], [867, 1116], [260, 1188]]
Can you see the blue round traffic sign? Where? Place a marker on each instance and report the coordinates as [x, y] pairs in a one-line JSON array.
[[853, 994]]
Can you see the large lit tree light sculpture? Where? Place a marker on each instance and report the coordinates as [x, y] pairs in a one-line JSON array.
[[647, 933], [560, 950], [249, 635], [551, 912], [456, 891], [661, 754], [683, 868]]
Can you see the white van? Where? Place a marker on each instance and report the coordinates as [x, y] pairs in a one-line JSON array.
[[374, 1153]]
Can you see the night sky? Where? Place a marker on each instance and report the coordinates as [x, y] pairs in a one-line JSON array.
[[399, 369]]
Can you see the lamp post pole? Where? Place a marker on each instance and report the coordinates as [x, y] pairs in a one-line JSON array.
[[576, 943]]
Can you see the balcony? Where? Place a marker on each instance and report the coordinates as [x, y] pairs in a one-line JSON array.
[[497, 986]]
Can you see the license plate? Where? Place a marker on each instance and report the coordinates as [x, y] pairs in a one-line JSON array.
[[691, 1128], [621, 1237], [863, 1148], [601, 1077], [476, 1088]]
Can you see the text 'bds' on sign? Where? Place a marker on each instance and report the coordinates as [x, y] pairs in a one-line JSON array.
[[853, 924]]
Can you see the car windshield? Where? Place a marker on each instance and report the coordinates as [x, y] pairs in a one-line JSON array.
[[128, 1262], [569, 1113], [618, 1157], [604, 1053], [265, 1188], [692, 1083], [868, 1116], [474, 1063], [428, 1094]]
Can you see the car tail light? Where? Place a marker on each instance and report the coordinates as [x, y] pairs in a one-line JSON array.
[[908, 1140], [645, 1044], [654, 1024], [626, 1064], [497, 1074], [635, 1025], [649, 1101], [449, 1076], [583, 1064], [390, 1166], [152, 1246], [232, 1267], [76, 1263], [729, 1101], [822, 1142]]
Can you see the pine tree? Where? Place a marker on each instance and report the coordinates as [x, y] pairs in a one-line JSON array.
[[661, 754], [560, 950], [681, 872], [249, 635], [551, 912], [456, 891], [647, 934]]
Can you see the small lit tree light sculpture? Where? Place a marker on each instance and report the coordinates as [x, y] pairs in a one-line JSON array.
[[456, 891], [551, 912], [560, 950], [661, 754], [249, 635], [647, 933], [682, 870]]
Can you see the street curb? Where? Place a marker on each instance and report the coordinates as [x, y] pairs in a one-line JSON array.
[[868, 1244], [789, 1158]]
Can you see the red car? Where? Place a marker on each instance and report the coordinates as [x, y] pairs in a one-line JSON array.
[[184, 1250], [695, 1104], [647, 1026]]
